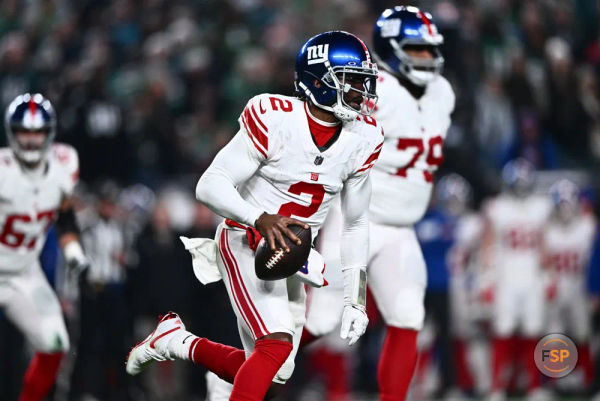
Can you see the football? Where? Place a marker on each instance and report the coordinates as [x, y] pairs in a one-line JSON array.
[[276, 265]]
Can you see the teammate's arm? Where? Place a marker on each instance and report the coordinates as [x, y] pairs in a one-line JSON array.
[[68, 232], [232, 166], [355, 199]]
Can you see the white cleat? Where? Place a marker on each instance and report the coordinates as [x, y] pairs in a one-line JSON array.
[[154, 347]]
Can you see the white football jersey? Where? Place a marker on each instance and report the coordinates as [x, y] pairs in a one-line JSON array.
[[567, 247], [415, 130], [517, 225], [29, 203], [467, 242], [296, 178]]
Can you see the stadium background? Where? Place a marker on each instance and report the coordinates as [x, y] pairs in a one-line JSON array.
[[148, 91]]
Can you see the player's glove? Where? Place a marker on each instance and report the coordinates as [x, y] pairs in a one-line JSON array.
[[75, 258], [354, 318]]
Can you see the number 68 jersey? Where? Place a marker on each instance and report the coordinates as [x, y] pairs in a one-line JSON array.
[[415, 130], [29, 203], [296, 178]]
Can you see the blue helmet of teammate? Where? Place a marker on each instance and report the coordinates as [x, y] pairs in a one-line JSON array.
[[30, 113], [518, 176], [400, 28], [454, 193], [565, 197], [326, 67]]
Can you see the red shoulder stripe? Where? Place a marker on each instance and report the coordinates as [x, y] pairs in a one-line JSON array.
[[255, 130], [255, 115], [254, 141], [372, 159]]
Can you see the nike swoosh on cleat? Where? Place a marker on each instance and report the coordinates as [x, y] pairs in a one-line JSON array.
[[162, 335], [185, 339]]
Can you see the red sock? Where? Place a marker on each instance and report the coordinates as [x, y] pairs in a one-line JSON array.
[[256, 374], [334, 366], [585, 361], [307, 338], [527, 350], [397, 363], [40, 376], [464, 378], [222, 360], [501, 355]]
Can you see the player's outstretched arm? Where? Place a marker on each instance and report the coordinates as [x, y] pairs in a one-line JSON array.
[[232, 166], [355, 198]]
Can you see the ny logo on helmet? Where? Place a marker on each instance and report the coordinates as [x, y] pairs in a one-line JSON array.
[[390, 28], [317, 54]]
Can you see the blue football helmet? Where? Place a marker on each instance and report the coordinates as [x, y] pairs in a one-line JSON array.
[[399, 27], [565, 197], [334, 59], [454, 193], [518, 176], [30, 113]]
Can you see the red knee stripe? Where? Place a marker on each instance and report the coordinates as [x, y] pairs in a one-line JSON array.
[[233, 285], [239, 291], [244, 290]]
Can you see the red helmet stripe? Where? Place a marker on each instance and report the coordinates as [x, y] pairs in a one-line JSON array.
[[364, 47], [32, 107], [425, 21]]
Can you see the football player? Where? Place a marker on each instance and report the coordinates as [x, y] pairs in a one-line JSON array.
[[37, 178], [455, 193], [414, 107], [291, 157], [511, 250], [567, 246]]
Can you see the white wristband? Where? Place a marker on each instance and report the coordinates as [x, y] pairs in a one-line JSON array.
[[355, 287]]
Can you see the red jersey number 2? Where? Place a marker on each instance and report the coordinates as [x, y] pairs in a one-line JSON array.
[[294, 209]]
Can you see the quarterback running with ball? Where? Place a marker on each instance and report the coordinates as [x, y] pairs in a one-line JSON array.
[[414, 107], [291, 157]]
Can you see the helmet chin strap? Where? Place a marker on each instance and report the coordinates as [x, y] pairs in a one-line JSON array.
[[343, 113], [420, 78], [31, 157]]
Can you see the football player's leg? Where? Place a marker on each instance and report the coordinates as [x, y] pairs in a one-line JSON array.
[[462, 328], [264, 308], [34, 309], [397, 277], [533, 319], [504, 323], [220, 390], [325, 305], [579, 312]]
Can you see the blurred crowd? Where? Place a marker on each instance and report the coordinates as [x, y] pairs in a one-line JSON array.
[[148, 91]]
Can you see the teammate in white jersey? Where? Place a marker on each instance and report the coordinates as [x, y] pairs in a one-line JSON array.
[[414, 107], [37, 178], [291, 157], [567, 246], [513, 229], [454, 193]]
